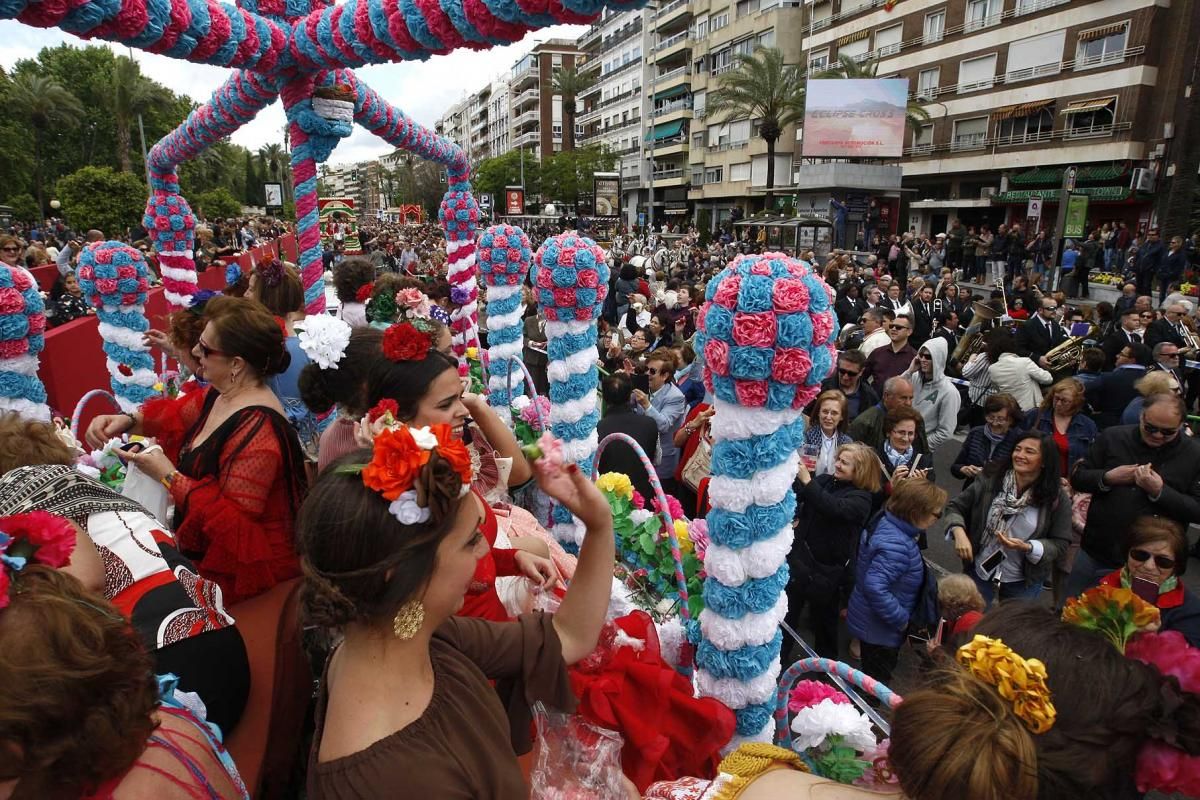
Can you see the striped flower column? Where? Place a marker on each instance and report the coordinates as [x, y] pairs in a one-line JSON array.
[[571, 280], [113, 276], [22, 338], [504, 258], [458, 216], [766, 332]]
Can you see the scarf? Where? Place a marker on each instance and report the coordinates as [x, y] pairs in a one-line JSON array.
[[1005, 505], [897, 458], [993, 439], [1169, 585]]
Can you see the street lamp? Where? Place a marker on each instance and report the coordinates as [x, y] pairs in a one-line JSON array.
[[55, 205]]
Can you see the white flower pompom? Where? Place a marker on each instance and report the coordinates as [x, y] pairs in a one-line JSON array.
[[640, 515], [425, 438], [405, 509], [520, 403], [813, 725], [324, 339]]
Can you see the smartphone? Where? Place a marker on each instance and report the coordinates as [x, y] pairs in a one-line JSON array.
[[1147, 590], [993, 561], [641, 381]]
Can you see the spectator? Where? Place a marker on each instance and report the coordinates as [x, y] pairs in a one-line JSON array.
[[875, 334], [1016, 375], [666, 406], [1153, 382], [1041, 334], [1134, 470], [961, 606], [1148, 262], [349, 277], [690, 376], [67, 302], [1166, 357], [694, 439], [1018, 509], [896, 358], [1091, 366], [1170, 328], [831, 511], [933, 394], [868, 426], [990, 442], [1174, 262], [1061, 417], [901, 452], [619, 417], [826, 430], [848, 380], [889, 574], [1111, 394]]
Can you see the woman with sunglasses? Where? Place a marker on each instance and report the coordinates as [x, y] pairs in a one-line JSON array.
[[230, 460], [1154, 567]]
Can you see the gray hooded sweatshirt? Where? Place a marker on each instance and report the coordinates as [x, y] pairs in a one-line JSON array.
[[937, 399]]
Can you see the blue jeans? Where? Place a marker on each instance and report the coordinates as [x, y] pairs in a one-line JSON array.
[[1086, 572], [1013, 590]]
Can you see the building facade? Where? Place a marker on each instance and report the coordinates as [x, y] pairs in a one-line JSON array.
[[1017, 91]]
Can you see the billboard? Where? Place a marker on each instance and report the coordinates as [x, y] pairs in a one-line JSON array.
[[1076, 223], [606, 188], [848, 118], [514, 201], [273, 192]]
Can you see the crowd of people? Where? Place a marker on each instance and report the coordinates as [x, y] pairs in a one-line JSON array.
[[345, 454]]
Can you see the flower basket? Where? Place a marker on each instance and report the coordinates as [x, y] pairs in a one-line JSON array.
[[77, 417]]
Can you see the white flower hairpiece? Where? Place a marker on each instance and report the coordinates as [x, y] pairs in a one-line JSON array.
[[405, 509], [815, 724], [324, 339]]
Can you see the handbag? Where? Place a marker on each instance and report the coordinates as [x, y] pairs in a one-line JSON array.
[[699, 466]]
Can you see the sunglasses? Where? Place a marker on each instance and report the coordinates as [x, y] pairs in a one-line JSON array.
[[1154, 430], [897, 327], [652, 371], [1142, 556], [10, 249], [848, 373], [209, 352]]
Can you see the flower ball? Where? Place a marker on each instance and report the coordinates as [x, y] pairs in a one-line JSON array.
[[504, 255], [113, 274], [571, 278], [766, 331], [458, 215]]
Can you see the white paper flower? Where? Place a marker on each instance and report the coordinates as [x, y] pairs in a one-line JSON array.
[[424, 438], [813, 725], [405, 509], [324, 339], [521, 402], [640, 515]]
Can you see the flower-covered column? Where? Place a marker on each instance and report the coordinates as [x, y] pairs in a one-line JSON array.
[[504, 258], [766, 334], [22, 337], [571, 276]]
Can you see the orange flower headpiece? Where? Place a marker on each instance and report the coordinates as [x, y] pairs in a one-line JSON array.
[[400, 452]]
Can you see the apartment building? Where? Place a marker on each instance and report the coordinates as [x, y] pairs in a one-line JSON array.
[[1018, 90], [455, 124], [535, 110]]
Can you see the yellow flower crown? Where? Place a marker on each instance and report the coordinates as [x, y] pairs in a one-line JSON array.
[[1020, 681]]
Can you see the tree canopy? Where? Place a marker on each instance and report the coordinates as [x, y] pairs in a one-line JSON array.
[[102, 198]]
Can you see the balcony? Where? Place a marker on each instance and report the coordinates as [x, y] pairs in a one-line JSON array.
[[671, 12], [527, 96], [979, 141], [526, 118], [678, 109], [590, 64], [671, 41], [588, 92], [676, 75], [533, 137], [667, 178], [588, 117], [524, 75]]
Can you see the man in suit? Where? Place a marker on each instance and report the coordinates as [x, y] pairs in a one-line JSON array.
[[1168, 358], [1042, 333], [922, 316], [619, 417], [535, 355], [1169, 328], [1109, 395], [665, 405], [946, 326], [1127, 333]]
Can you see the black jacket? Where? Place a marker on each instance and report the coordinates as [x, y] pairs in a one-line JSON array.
[[1034, 341], [1112, 344], [620, 457], [1163, 331], [1109, 395], [1114, 509], [830, 515]]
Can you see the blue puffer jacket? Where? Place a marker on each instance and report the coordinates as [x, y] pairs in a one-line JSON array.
[[887, 580]]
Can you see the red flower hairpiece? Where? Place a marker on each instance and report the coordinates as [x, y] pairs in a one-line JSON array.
[[38, 538], [405, 342], [382, 409], [364, 292], [271, 272]]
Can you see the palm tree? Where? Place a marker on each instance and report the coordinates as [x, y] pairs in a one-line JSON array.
[[761, 87], [850, 67], [570, 84], [133, 94], [45, 105]]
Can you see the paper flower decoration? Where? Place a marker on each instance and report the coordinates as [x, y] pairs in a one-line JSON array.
[[22, 338], [814, 725], [324, 339], [1114, 612]]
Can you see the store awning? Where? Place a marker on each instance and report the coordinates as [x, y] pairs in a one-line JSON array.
[[1100, 33], [1093, 104], [665, 131], [674, 91], [854, 37], [1021, 110]]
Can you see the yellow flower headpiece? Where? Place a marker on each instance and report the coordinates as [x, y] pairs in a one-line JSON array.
[[1020, 681]]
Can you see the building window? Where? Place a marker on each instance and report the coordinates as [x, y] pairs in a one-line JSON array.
[[713, 175], [822, 15], [935, 26], [1102, 45], [699, 102], [887, 40], [697, 176], [1030, 6], [698, 139], [721, 61], [767, 38], [556, 61], [745, 7], [970, 134], [1034, 127], [1035, 56], [977, 73], [982, 14], [1093, 117], [927, 83], [850, 6], [718, 135], [700, 32], [739, 132], [718, 21], [745, 47], [739, 172], [818, 60], [859, 50], [923, 139]]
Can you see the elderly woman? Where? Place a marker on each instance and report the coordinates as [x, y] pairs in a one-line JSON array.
[[1155, 382], [1157, 557], [1010, 525], [990, 442], [231, 463], [1061, 418], [827, 431], [901, 452]]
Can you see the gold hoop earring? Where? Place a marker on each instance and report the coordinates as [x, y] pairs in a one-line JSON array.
[[408, 620]]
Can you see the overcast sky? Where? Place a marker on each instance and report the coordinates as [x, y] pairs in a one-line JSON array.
[[423, 90]]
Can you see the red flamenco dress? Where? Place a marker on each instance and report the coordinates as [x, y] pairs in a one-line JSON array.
[[481, 600], [236, 493]]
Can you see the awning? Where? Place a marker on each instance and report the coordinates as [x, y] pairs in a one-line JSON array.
[[666, 130], [1100, 33], [1094, 104], [1021, 110], [674, 91], [854, 37]]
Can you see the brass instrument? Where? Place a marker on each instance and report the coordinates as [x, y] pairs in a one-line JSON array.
[[1065, 357], [974, 340], [850, 333]]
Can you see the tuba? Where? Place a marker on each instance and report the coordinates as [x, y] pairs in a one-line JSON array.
[[1065, 357]]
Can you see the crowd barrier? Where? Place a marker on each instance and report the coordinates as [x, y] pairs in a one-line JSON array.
[[73, 362]]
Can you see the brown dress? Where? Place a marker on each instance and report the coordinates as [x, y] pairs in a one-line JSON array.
[[465, 744]]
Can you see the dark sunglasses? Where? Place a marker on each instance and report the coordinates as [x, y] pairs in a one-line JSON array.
[[897, 327], [652, 371], [848, 373], [1152, 430], [209, 352], [1141, 556], [11, 249]]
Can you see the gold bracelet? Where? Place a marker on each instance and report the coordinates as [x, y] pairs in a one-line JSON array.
[[167, 479]]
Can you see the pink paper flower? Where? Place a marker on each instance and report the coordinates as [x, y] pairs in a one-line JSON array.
[[822, 327], [789, 295], [11, 301], [674, 508], [638, 501], [754, 330], [589, 278], [564, 298], [808, 693], [727, 292], [716, 356], [752, 394], [791, 365], [698, 533]]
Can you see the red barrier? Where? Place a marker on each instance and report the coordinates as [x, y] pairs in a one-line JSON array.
[[45, 276], [73, 362]]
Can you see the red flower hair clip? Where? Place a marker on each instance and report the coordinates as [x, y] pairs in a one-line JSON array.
[[34, 538], [405, 342], [271, 272], [364, 292]]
